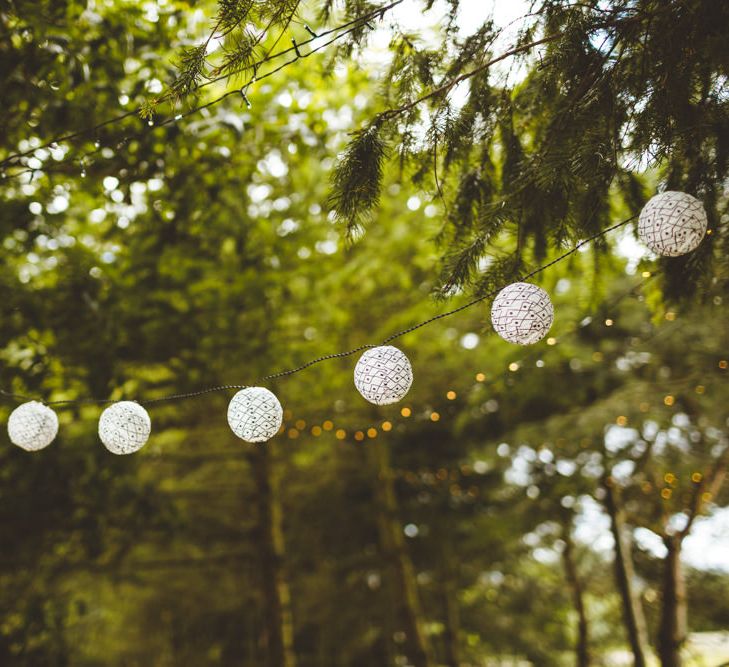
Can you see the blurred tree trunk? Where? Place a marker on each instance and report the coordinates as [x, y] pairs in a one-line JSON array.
[[449, 592], [672, 629], [568, 559], [633, 616], [394, 549], [278, 632]]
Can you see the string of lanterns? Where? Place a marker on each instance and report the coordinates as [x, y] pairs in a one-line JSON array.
[[670, 224]]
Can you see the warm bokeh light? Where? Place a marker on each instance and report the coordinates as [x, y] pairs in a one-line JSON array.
[[316, 430], [341, 434], [293, 433], [359, 436], [405, 412], [300, 424], [386, 426], [669, 400], [480, 377], [328, 425], [434, 416], [451, 395]]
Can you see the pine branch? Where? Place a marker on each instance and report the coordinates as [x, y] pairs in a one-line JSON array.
[[357, 178]]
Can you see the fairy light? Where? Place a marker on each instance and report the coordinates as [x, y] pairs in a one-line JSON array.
[[669, 400], [316, 431], [328, 425], [451, 395], [622, 420], [696, 477], [406, 412], [300, 424], [293, 433], [434, 416], [359, 436], [666, 494], [386, 426], [480, 377], [371, 432], [341, 434]]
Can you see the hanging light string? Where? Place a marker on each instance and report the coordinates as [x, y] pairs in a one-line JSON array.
[[339, 32], [337, 355]]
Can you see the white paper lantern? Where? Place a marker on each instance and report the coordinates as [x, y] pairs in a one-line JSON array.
[[32, 426], [124, 427], [672, 223], [522, 313], [255, 414], [383, 375]]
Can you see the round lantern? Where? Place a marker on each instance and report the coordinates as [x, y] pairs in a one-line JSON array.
[[383, 375], [672, 223], [522, 313], [124, 427], [255, 414], [32, 426]]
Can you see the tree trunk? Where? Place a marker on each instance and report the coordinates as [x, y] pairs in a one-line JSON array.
[[582, 649], [633, 616], [449, 591], [672, 630], [394, 549], [277, 637]]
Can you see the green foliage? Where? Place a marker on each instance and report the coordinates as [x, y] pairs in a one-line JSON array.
[[202, 252]]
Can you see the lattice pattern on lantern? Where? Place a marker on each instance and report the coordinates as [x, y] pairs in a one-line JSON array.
[[32, 426], [255, 414], [124, 427], [383, 375], [672, 223], [522, 313]]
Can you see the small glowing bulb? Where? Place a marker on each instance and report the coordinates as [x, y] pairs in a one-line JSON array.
[[406, 412]]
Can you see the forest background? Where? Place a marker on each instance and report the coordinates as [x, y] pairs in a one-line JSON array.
[[551, 505]]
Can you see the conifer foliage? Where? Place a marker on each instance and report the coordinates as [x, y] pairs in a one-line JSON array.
[[611, 89]]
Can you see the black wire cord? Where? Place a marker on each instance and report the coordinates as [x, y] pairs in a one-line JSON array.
[[337, 355]]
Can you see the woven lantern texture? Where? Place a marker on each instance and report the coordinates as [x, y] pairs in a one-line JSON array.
[[255, 414], [522, 313], [383, 375], [32, 426], [672, 223], [124, 427]]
